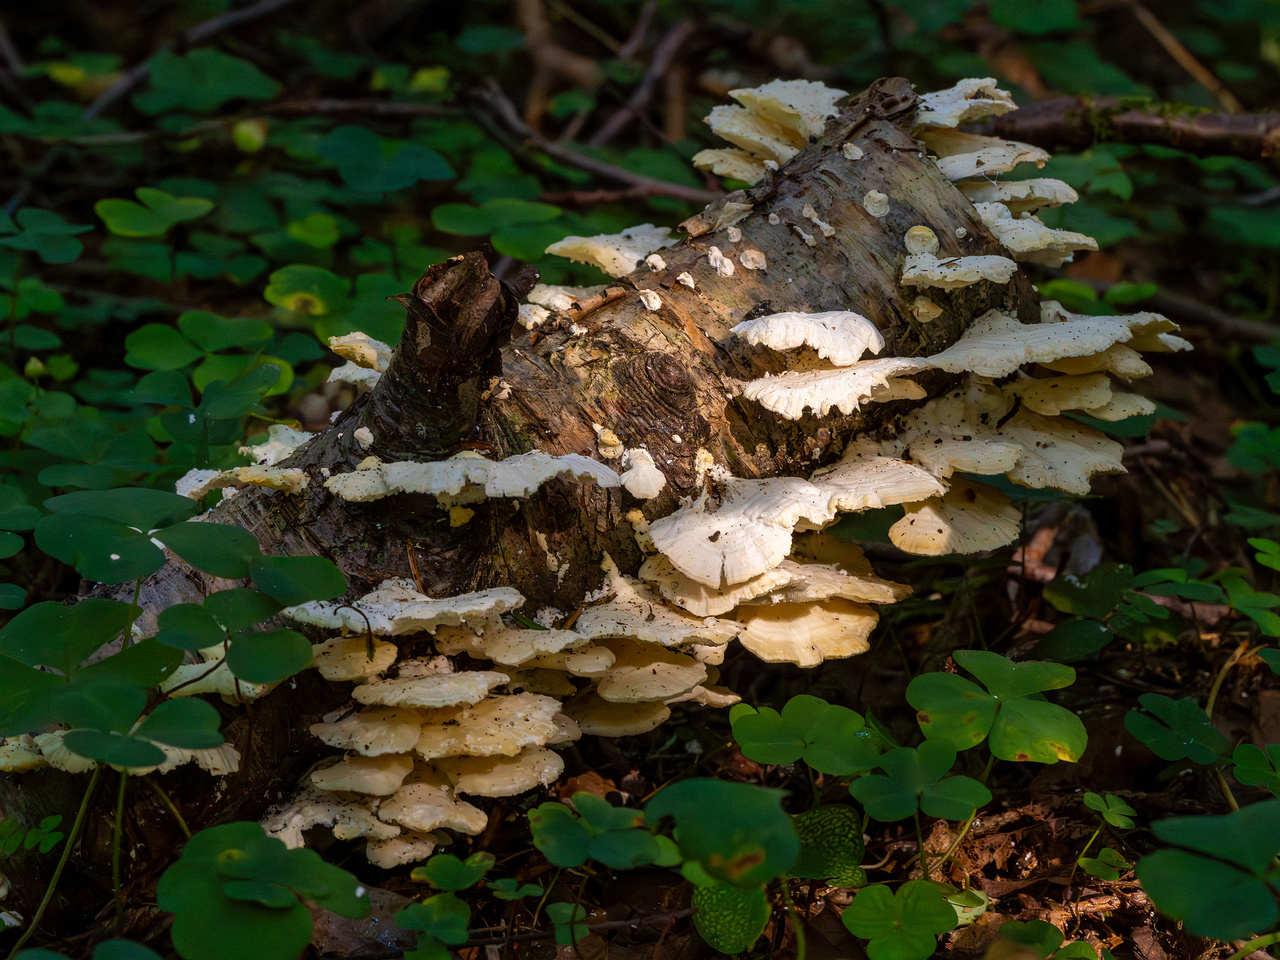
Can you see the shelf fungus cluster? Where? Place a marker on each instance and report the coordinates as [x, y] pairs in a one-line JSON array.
[[475, 715]]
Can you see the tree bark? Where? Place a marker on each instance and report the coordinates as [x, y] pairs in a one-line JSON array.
[[464, 377]]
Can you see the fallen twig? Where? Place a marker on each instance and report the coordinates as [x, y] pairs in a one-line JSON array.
[[1185, 58], [663, 54], [199, 34], [1077, 123], [493, 103], [364, 107]]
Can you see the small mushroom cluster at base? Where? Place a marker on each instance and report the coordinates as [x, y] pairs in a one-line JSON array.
[[422, 733], [29, 752]]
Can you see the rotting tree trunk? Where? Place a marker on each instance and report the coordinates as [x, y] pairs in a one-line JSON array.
[[465, 377]]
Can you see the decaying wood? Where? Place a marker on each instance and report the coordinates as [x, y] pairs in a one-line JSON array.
[[669, 380], [1077, 123]]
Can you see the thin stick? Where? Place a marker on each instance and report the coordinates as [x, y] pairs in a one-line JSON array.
[[493, 102], [168, 802], [117, 836], [325, 106], [1185, 59], [1222, 675], [1254, 945], [663, 54], [796, 927], [199, 34], [62, 862]]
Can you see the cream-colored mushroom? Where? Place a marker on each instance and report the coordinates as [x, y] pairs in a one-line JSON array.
[[862, 480], [363, 351], [968, 100], [53, 748], [377, 776], [964, 155], [355, 375], [745, 534], [1050, 396], [730, 162], [1020, 196], [396, 608], [806, 634], [441, 690], [841, 336], [644, 672], [427, 803], [560, 298], [506, 645], [593, 661], [282, 441], [616, 254], [943, 457], [703, 600], [1121, 406], [1029, 239], [799, 106], [844, 388], [952, 273], [353, 658], [969, 518], [373, 732], [633, 610], [641, 477], [314, 807], [20, 753], [408, 847], [761, 138], [496, 726], [600, 718], [502, 776]]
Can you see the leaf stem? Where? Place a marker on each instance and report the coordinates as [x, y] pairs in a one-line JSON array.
[[796, 927], [1257, 943], [1222, 675], [924, 857], [1072, 874], [62, 863], [168, 802], [117, 835]]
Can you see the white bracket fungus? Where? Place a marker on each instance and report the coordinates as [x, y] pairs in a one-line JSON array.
[[841, 336], [373, 732], [876, 203], [968, 518], [352, 658], [652, 302], [355, 375], [926, 270], [313, 808], [1030, 240], [641, 477], [861, 481], [647, 672], [600, 718], [616, 254], [558, 298], [397, 608], [363, 351], [964, 155], [427, 803], [806, 634], [497, 726], [971, 99], [282, 441], [1020, 196], [851, 151], [753, 260], [502, 776], [760, 137], [719, 262], [920, 239], [468, 478], [731, 162], [433, 690], [378, 776], [845, 388], [800, 106]]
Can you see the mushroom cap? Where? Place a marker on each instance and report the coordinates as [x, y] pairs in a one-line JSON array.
[[379, 776], [374, 731], [819, 581], [408, 847], [799, 106], [600, 718], [285, 479], [1121, 360], [313, 807], [1020, 196], [560, 298], [705, 601], [1121, 406], [617, 254], [1029, 239], [1049, 396], [397, 608], [634, 611], [502, 776], [498, 725], [593, 660], [862, 481], [806, 634], [20, 753], [645, 672], [282, 441], [542, 681], [55, 752], [973, 99], [194, 679], [1059, 453], [362, 350], [423, 806], [748, 533], [845, 388], [996, 344], [761, 138], [468, 478], [441, 690], [347, 658], [950, 273], [708, 696], [840, 336], [730, 162], [355, 375], [984, 456], [641, 477], [506, 645], [969, 518], [963, 155]]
